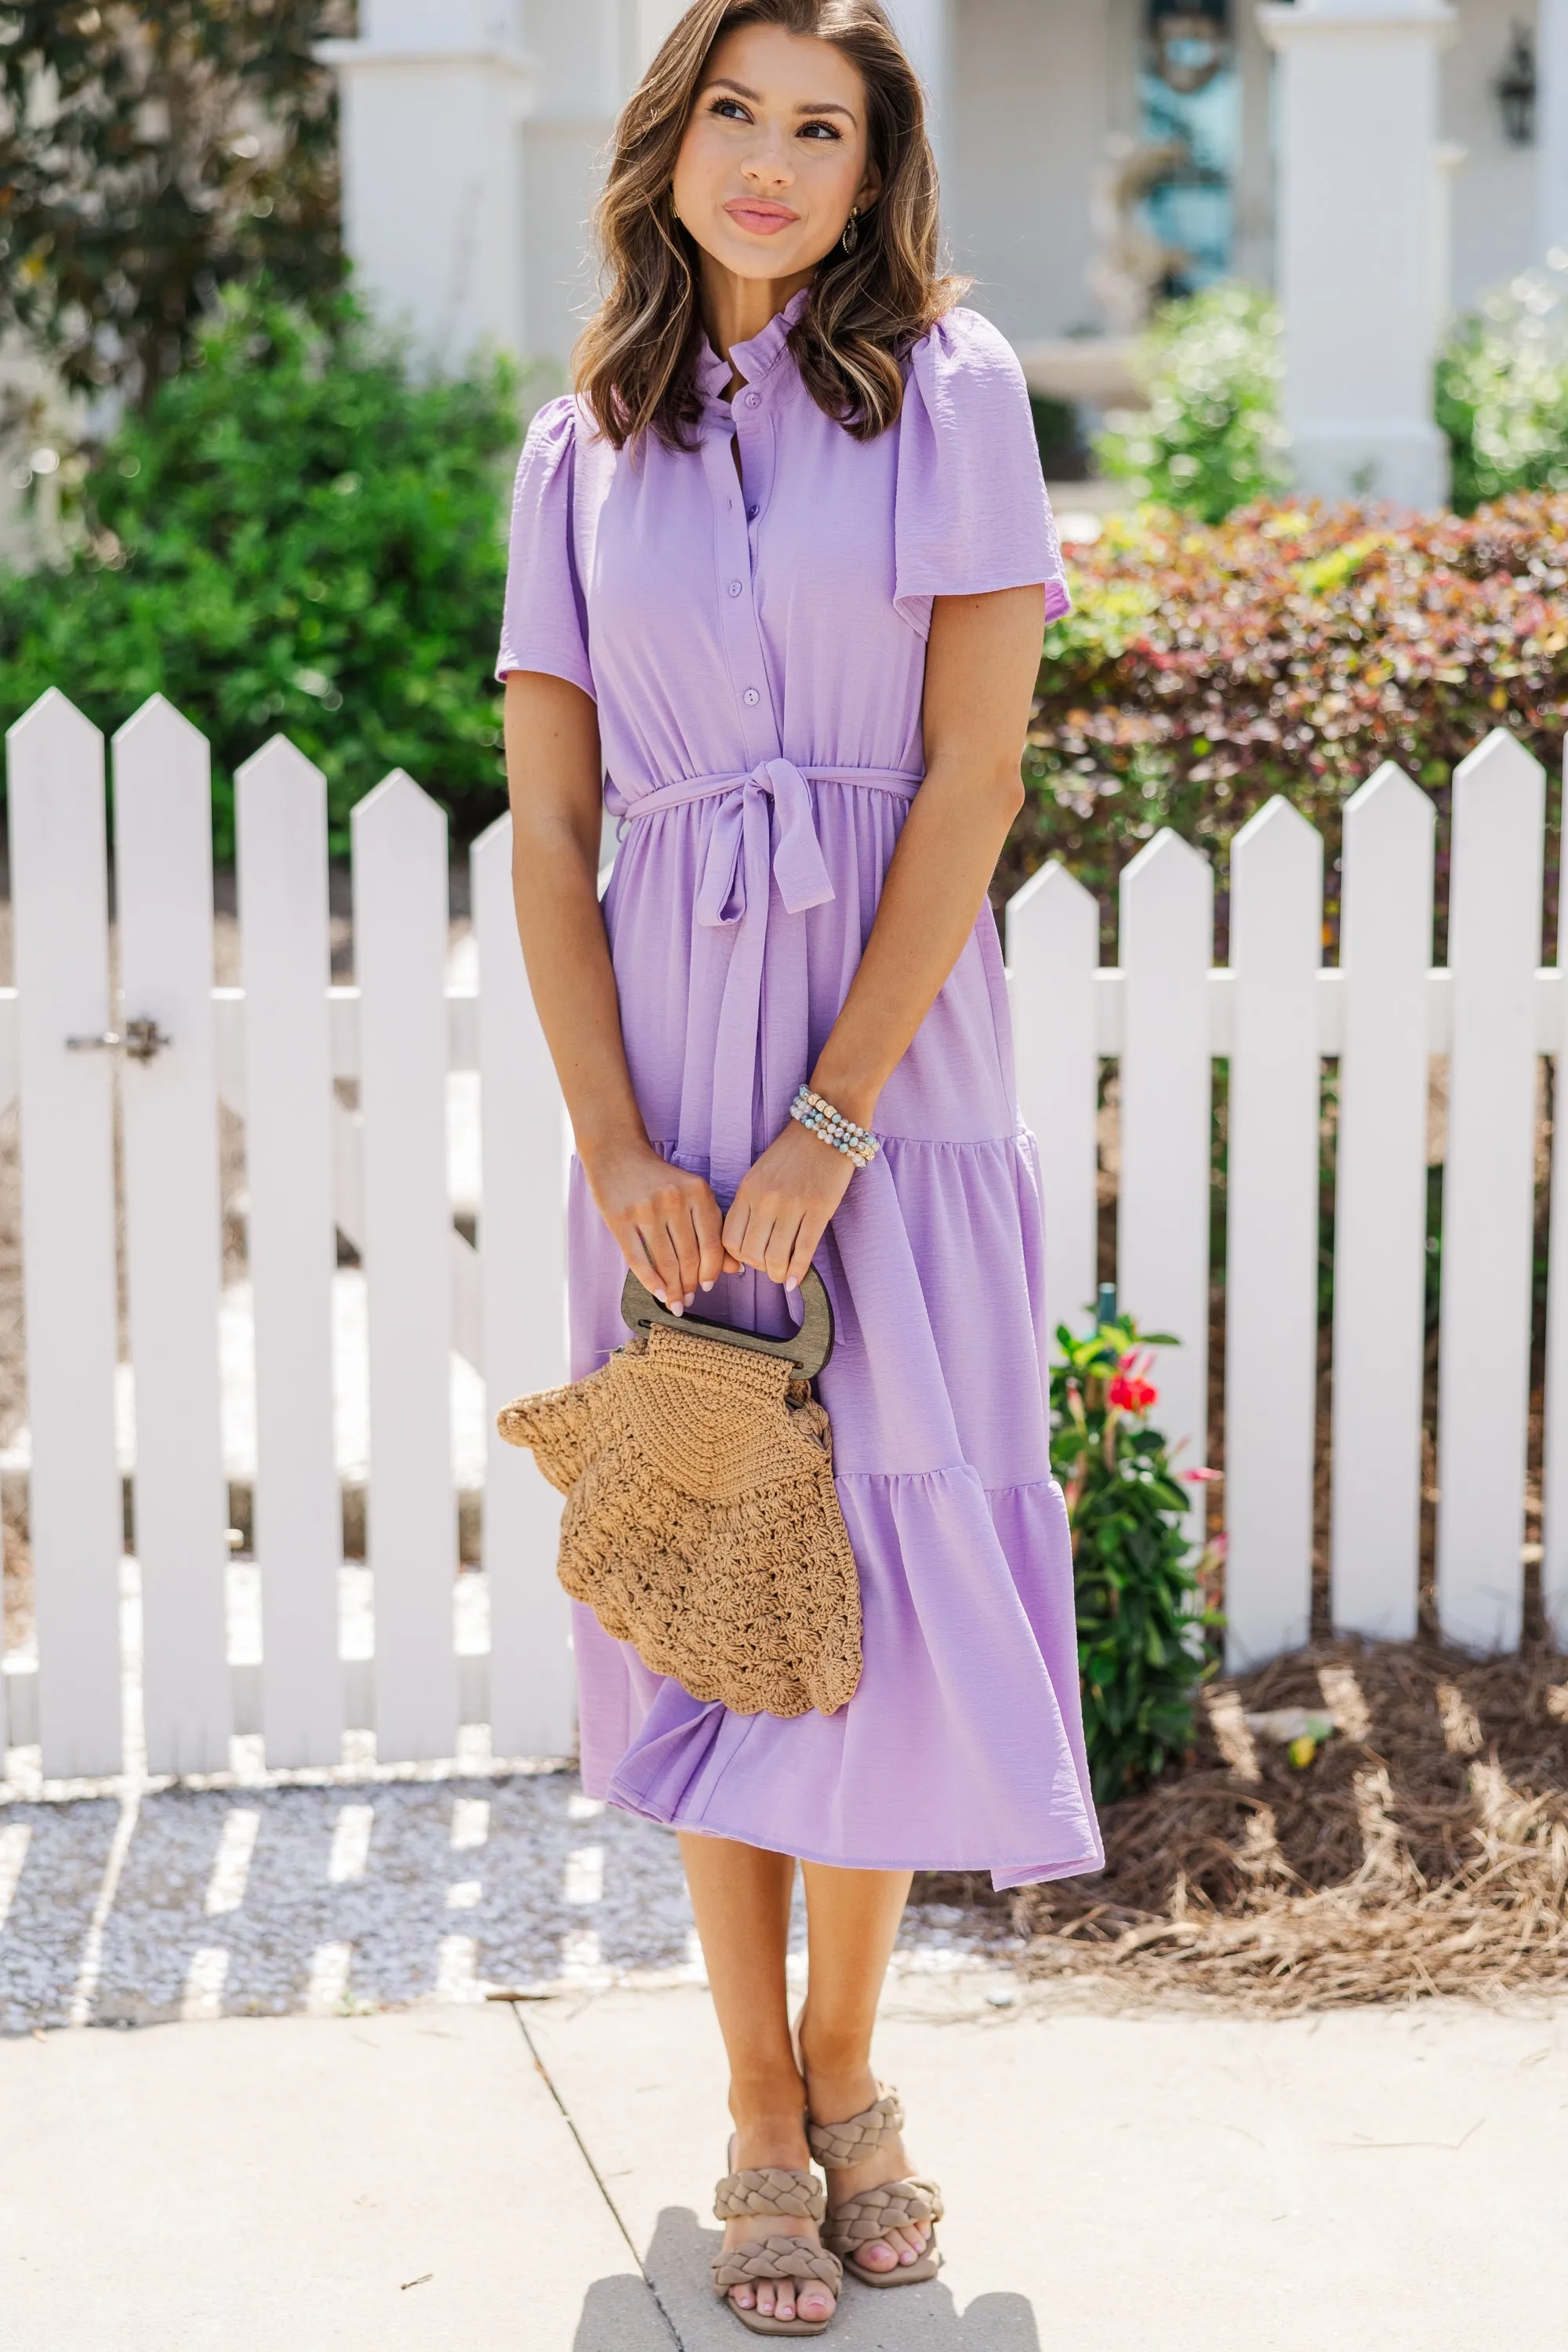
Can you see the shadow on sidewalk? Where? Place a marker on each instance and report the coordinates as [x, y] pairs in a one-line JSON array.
[[677, 2264], [619, 2315]]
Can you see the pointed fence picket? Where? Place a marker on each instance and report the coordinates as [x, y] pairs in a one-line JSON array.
[[1489, 1184], [1165, 1097], [59, 885], [1272, 1257], [274, 1047], [522, 1238], [1554, 1447], [411, 1516], [1380, 1225], [1053, 956], [281, 820], [174, 1239]]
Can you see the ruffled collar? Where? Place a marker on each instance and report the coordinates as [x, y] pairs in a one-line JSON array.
[[751, 361]]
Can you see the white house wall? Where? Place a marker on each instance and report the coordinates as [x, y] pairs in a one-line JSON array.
[[1254, 257], [1031, 82], [1492, 223], [588, 54], [562, 168]]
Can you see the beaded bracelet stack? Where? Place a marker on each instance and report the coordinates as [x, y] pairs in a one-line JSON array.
[[829, 1126]]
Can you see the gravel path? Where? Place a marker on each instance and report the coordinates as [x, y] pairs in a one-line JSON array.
[[133, 1910]]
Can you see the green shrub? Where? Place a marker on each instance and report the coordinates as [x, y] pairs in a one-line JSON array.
[[1211, 438], [294, 538], [1143, 1626], [1287, 650], [1502, 389]]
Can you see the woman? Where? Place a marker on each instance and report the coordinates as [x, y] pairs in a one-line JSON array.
[[784, 559]]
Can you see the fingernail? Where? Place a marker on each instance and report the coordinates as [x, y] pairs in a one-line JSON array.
[[662, 1298], [707, 1285], [792, 1283], [692, 1298], [676, 1308]]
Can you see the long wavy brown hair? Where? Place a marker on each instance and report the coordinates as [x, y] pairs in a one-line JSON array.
[[634, 364]]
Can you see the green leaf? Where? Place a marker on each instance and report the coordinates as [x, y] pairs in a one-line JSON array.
[[233, 517], [1142, 1650]]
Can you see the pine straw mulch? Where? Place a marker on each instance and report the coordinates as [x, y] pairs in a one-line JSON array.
[[1424, 1850]]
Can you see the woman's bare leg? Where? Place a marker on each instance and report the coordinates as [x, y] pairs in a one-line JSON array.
[[852, 1917], [742, 1898]]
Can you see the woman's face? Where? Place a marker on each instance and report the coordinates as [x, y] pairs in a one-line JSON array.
[[775, 153]]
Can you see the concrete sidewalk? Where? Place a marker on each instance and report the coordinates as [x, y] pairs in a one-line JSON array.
[[280, 2184], [476, 2179]]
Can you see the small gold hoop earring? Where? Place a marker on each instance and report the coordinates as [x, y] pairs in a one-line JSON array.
[[851, 236]]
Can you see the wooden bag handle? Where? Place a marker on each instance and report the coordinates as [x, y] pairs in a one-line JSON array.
[[807, 1349]]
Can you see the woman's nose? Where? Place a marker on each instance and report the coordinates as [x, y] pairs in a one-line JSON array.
[[770, 162]]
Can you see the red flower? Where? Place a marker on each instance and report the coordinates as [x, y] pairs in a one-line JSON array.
[[1197, 1476], [1132, 1395]]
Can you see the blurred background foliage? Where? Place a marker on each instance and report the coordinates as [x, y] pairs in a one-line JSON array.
[[1290, 649], [1210, 439], [294, 536], [1229, 641], [150, 157], [1502, 389]]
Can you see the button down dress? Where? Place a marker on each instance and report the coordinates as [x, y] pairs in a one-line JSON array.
[[755, 641]]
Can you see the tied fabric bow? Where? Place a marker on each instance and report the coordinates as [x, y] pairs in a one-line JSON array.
[[763, 831], [764, 822]]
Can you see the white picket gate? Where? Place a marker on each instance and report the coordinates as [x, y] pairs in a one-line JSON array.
[[272, 1049]]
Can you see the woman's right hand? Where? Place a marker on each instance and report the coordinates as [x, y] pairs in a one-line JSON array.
[[666, 1222]]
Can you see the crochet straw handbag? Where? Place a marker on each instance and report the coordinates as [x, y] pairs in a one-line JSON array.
[[701, 1522]]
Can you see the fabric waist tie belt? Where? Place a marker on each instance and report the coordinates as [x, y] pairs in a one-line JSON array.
[[763, 831]]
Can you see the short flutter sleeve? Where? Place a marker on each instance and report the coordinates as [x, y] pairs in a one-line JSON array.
[[972, 514], [544, 624]]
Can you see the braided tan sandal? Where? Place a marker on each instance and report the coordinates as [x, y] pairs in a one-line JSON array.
[[897, 2204], [766, 2192]]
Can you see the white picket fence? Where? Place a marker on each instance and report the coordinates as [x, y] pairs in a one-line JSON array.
[[272, 1049]]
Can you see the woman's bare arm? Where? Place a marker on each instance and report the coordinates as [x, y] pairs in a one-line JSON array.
[[665, 1219], [981, 666]]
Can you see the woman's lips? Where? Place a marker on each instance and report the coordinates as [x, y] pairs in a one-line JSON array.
[[763, 220]]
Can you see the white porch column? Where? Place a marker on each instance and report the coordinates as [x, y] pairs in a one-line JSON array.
[[1552, 125], [1359, 225], [433, 97]]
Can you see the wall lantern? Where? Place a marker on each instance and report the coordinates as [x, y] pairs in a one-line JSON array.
[[1516, 89], [1189, 42]]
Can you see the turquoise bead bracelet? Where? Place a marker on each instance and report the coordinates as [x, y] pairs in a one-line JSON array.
[[829, 1126]]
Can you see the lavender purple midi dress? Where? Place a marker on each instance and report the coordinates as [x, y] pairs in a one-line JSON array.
[[755, 641]]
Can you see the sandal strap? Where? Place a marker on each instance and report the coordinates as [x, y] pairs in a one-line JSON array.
[[838, 2146], [775, 2258], [894, 2206], [770, 2189]]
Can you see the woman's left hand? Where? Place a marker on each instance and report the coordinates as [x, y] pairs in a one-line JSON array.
[[785, 1203]]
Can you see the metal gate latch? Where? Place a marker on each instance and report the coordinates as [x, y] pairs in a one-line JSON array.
[[138, 1040]]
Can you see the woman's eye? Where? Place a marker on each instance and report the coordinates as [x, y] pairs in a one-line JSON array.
[[730, 106], [820, 130]]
